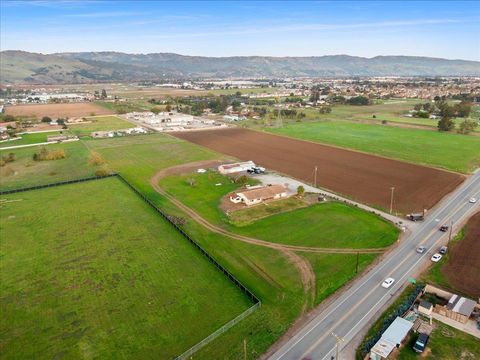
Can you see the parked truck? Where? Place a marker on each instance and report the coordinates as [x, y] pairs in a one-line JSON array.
[[416, 216]]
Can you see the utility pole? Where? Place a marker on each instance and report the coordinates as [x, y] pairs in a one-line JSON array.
[[315, 181], [338, 340], [391, 199], [450, 234]]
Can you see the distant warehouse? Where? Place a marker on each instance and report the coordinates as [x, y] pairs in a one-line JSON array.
[[236, 167]]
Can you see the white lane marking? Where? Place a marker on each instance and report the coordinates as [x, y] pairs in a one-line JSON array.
[[454, 197]]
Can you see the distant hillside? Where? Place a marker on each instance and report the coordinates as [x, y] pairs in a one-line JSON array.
[[25, 67]]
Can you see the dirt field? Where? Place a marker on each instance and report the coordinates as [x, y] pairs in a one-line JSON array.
[[463, 267], [365, 178], [57, 110]]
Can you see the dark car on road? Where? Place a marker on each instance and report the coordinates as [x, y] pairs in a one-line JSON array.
[[444, 228]]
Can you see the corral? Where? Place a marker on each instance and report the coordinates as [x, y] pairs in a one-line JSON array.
[[363, 177], [103, 274], [57, 110]]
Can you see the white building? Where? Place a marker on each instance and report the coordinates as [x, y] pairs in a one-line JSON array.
[[259, 194], [235, 167]]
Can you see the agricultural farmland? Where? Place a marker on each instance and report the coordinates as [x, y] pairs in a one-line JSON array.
[[450, 151], [27, 139], [54, 111], [103, 274], [99, 123], [25, 171], [460, 272], [360, 176]]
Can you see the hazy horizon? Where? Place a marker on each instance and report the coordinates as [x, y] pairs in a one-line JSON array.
[[446, 30]]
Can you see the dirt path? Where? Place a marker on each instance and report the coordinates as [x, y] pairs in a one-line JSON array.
[[302, 265]]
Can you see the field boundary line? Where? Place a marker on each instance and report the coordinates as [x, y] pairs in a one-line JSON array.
[[58, 183], [256, 301]]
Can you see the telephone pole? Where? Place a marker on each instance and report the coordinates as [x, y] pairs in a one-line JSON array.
[[338, 340], [391, 199], [315, 176], [450, 234]]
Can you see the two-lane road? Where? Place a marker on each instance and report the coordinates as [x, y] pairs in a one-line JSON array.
[[348, 314]]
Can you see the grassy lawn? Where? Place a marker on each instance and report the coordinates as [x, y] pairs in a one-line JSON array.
[[247, 216], [27, 139], [102, 276], [120, 107], [24, 171], [450, 151], [334, 270], [100, 123], [445, 343], [267, 272], [331, 224], [142, 156]]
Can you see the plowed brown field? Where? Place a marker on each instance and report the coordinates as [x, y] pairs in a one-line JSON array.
[[365, 178], [463, 267], [57, 110]]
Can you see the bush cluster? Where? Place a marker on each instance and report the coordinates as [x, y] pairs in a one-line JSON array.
[[44, 154]]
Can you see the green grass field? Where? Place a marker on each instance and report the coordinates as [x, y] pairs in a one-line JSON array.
[[99, 123], [331, 224], [445, 343], [450, 151], [27, 139], [90, 271], [267, 272], [24, 171]]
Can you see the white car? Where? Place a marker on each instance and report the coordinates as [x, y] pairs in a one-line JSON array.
[[388, 282], [436, 257], [472, 200]]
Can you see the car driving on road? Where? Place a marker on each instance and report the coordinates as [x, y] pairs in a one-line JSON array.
[[388, 282], [472, 200], [436, 257], [421, 249], [444, 228]]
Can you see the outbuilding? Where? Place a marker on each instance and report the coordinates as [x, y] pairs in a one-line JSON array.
[[392, 338], [235, 167]]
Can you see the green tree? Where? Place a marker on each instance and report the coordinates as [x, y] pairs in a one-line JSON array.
[[463, 109], [300, 190], [467, 126], [46, 119], [446, 123]]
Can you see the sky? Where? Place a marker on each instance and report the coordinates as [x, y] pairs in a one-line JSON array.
[[227, 28]]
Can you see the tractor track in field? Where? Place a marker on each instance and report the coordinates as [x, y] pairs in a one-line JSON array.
[[302, 265]]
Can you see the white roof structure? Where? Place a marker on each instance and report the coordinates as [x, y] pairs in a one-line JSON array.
[[393, 336]]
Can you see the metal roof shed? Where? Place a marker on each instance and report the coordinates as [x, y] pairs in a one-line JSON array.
[[391, 338]]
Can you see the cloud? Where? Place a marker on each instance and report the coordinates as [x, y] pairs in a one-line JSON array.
[[251, 30]]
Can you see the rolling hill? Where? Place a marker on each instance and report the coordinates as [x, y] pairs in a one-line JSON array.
[[32, 68]]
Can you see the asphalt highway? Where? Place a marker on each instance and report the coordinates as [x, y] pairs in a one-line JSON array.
[[353, 310]]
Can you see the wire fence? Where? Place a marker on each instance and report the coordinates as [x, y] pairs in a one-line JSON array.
[[218, 332], [233, 279], [37, 187]]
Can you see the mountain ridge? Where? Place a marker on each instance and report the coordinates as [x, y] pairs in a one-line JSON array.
[[17, 66]]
